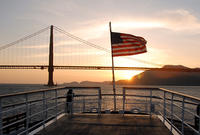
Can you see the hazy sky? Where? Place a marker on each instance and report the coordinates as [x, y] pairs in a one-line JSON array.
[[171, 28]]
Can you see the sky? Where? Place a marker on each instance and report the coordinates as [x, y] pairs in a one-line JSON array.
[[171, 28]]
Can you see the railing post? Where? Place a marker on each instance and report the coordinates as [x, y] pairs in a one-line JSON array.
[[124, 100], [99, 101], [71, 106], [1, 125], [44, 108], [172, 110], [30, 111], [151, 103], [66, 107], [83, 104], [199, 124], [164, 106], [198, 119], [27, 114], [182, 118], [56, 102]]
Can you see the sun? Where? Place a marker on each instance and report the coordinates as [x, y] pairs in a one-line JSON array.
[[127, 75]]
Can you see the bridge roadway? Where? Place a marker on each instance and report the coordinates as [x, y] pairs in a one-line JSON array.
[[97, 68]]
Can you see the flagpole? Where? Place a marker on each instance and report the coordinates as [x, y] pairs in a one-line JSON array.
[[113, 72]]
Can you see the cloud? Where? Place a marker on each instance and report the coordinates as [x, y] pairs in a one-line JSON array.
[[139, 24], [174, 20], [179, 19]]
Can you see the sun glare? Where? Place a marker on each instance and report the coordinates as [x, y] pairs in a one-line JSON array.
[[127, 75]]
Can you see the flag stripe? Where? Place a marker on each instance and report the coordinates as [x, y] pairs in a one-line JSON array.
[[128, 35], [126, 45], [132, 42], [131, 36], [129, 53], [128, 50]]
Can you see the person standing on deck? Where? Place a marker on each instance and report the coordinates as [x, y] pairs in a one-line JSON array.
[[69, 99]]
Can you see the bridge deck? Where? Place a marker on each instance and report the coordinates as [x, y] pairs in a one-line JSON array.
[[107, 124]]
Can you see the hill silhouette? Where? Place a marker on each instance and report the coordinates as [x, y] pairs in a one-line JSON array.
[[150, 77]]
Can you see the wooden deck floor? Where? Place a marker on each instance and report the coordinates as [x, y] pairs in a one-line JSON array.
[[107, 124]]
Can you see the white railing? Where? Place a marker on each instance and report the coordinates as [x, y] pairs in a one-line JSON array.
[[180, 112], [28, 111], [22, 113]]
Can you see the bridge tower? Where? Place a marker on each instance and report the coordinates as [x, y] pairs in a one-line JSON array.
[[51, 68]]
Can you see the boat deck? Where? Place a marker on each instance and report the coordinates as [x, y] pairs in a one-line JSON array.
[[106, 124]]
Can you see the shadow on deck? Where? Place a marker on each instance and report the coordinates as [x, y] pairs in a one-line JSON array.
[[106, 124]]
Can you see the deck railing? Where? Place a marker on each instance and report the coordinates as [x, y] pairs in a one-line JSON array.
[[38, 108], [29, 112], [179, 112]]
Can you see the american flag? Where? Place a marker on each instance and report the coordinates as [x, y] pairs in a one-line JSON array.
[[127, 44]]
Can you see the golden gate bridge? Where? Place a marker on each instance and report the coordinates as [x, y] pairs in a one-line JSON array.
[[22, 54]]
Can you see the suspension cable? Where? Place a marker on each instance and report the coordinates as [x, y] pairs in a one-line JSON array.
[[99, 47], [81, 40], [24, 38]]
